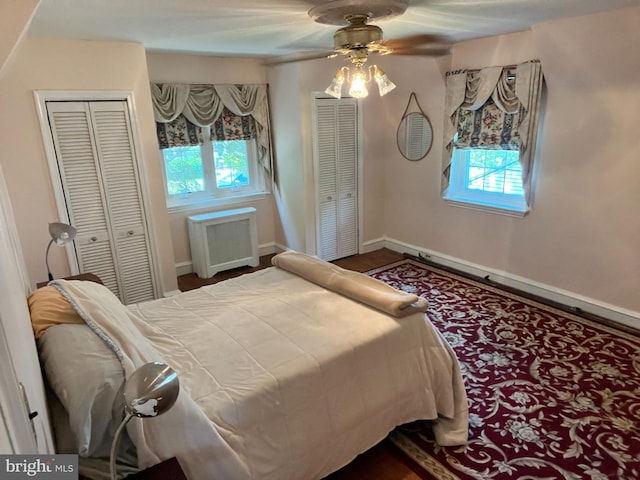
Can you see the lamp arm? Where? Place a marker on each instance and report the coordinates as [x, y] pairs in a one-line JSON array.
[[115, 444], [46, 260]]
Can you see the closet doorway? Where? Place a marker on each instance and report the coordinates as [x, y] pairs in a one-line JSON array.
[[96, 175], [335, 129]]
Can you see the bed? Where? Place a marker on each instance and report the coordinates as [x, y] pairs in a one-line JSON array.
[[286, 373]]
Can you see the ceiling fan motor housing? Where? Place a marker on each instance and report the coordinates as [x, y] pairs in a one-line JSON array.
[[357, 39], [357, 34]]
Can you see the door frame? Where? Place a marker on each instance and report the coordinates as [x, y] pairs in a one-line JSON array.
[[22, 383], [44, 96], [15, 426]]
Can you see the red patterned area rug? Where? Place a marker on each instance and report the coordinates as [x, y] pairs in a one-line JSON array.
[[551, 395]]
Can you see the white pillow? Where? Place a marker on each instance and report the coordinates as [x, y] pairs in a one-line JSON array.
[[87, 377]]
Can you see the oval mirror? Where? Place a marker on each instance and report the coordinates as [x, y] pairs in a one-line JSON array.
[[414, 136]]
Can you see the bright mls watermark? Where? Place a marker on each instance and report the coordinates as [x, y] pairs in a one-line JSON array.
[[52, 467]]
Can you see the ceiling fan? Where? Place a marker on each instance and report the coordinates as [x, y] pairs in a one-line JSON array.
[[357, 38]]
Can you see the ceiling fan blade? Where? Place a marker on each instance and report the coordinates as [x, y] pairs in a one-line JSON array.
[[426, 50], [415, 41], [299, 57]]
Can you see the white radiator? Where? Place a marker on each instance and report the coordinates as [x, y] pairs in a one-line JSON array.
[[223, 240]]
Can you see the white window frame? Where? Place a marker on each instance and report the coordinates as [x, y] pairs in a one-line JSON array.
[[212, 195], [459, 196]]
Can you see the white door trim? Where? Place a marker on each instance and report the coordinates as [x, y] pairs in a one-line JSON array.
[[18, 355]]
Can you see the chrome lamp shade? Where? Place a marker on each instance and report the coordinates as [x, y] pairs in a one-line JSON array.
[[61, 234], [150, 391]]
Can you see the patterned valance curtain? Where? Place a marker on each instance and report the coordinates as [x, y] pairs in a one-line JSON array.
[[179, 132], [493, 108], [233, 112], [228, 126], [488, 127]]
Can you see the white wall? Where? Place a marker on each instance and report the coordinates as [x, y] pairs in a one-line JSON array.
[[402, 190], [289, 148], [172, 68], [293, 86], [15, 16]]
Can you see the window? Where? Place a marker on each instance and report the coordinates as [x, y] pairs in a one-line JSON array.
[[183, 169], [487, 180], [214, 141], [218, 169], [490, 136]]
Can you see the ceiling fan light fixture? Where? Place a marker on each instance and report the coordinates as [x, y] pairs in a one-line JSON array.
[[384, 84], [358, 81], [358, 87], [335, 89]]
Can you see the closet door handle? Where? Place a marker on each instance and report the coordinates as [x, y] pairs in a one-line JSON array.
[[129, 233], [94, 239]]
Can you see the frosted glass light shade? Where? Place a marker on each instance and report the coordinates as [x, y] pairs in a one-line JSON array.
[[358, 84], [384, 84], [335, 89]]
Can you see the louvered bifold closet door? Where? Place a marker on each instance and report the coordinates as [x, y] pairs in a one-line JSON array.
[[326, 138], [336, 151], [77, 158], [124, 200], [347, 179]]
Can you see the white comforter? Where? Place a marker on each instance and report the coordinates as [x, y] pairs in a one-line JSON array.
[[280, 378]]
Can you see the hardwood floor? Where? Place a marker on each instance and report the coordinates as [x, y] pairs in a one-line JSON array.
[[369, 261], [378, 463], [358, 263], [191, 280]]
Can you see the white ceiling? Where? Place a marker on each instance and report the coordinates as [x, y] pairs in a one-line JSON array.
[[283, 27]]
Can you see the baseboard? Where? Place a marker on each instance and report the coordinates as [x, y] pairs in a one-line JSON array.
[[171, 293], [373, 245], [277, 249], [573, 300], [185, 268]]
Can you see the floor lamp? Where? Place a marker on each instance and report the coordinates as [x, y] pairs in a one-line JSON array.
[[61, 234], [150, 391]]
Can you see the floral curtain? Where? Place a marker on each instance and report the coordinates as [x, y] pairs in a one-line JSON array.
[[230, 126], [496, 107], [488, 127], [179, 132], [203, 105]]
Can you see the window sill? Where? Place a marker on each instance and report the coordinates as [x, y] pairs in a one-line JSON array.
[[215, 202], [487, 208]]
